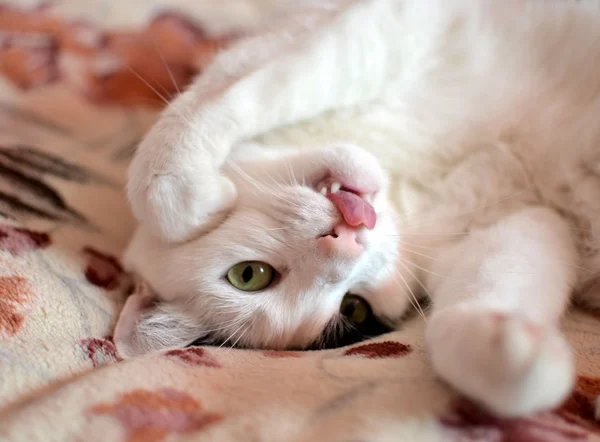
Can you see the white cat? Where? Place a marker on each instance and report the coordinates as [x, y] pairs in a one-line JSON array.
[[487, 114]]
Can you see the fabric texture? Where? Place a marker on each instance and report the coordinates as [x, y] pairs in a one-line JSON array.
[[75, 97]]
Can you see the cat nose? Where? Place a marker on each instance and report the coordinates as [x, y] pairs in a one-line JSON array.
[[342, 241]]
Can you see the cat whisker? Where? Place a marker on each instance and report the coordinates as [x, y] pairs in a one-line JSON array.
[[581, 268], [246, 177], [466, 280], [256, 184], [452, 234], [279, 183], [427, 270], [581, 229], [459, 234], [168, 69], [423, 255], [418, 282], [138, 100], [152, 88], [408, 249], [409, 216], [293, 179], [334, 330], [192, 127], [241, 336], [232, 335], [412, 298], [224, 327], [420, 246], [253, 182], [275, 182], [411, 250], [288, 170]]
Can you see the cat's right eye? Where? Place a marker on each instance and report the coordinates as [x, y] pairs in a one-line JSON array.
[[251, 276]]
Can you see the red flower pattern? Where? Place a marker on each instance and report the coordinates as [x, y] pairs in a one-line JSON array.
[[376, 350], [102, 270], [467, 422], [100, 351], [14, 291], [123, 67], [194, 356], [572, 422], [19, 240], [580, 408], [281, 354], [150, 416]]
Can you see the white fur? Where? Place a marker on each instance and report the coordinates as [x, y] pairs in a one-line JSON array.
[[487, 115]]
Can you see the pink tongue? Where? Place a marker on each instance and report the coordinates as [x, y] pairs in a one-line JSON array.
[[354, 209]]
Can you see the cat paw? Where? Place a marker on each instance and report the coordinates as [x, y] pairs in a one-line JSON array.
[[176, 189], [506, 363]]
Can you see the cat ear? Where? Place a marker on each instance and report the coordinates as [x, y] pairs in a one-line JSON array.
[[146, 326]]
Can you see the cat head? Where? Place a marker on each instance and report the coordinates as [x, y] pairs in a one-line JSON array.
[[305, 258]]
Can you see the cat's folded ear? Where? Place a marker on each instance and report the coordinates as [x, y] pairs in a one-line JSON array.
[[146, 325]]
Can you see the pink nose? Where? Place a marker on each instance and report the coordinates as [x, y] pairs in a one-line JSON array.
[[342, 242]]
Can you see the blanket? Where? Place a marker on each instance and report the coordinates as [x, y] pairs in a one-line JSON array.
[[80, 83]]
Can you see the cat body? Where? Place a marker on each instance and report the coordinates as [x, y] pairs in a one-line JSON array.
[[485, 113]]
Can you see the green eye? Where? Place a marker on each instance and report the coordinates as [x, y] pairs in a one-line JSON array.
[[251, 276], [355, 309]]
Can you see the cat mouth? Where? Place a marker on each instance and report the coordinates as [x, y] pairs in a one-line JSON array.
[[354, 206]]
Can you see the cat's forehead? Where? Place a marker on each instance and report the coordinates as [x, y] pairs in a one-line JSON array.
[[280, 209], [247, 230]]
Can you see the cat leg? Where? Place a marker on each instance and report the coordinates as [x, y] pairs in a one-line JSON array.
[[312, 63], [498, 297]]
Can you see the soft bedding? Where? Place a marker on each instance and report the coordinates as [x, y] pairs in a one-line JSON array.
[[81, 81]]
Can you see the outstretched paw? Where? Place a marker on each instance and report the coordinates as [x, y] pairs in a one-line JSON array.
[[507, 363]]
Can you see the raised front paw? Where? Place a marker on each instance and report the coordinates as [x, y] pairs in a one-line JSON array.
[[175, 187], [506, 363]]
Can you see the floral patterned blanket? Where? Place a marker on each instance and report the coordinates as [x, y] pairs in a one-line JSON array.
[[80, 83]]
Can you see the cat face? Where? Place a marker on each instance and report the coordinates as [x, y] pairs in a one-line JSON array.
[[310, 234]]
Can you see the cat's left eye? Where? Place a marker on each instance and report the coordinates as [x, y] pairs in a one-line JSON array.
[[359, 323], [251, 276], [356, 310]]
